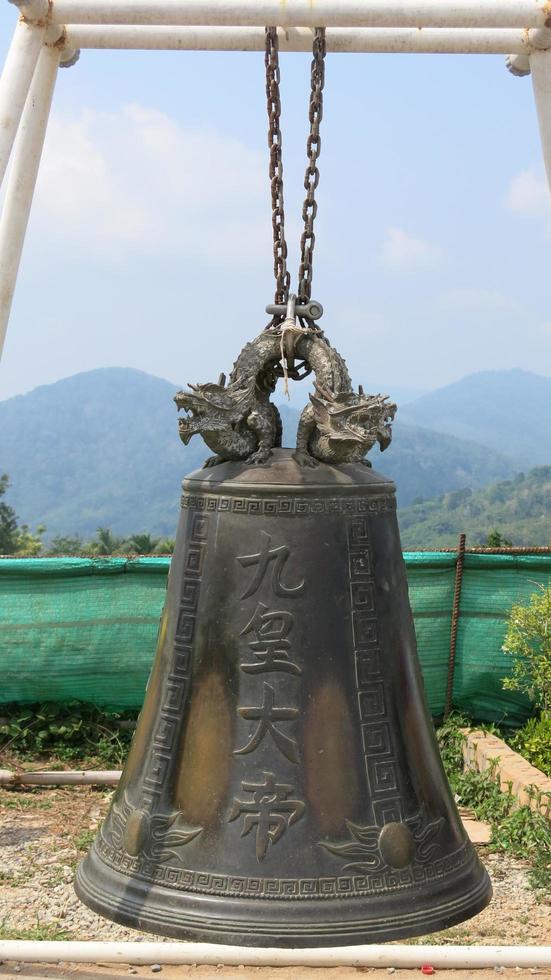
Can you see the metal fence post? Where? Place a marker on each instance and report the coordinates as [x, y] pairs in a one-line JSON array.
[[455, 618]]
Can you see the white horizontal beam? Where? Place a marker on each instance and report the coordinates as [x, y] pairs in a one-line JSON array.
[[339, 39], [53, 777], [33, 10], [201, 954], [306, 13]]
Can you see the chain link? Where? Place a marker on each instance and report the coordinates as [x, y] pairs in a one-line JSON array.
[[271, 60], [311, 178], [312, 175]]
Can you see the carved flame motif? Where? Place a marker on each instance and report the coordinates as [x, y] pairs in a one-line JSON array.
[[155, 836], [365, 844]]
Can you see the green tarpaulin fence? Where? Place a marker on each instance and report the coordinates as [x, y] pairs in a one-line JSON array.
[[80, 628]]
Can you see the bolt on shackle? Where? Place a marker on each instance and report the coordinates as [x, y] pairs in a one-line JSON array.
[[312, 310]]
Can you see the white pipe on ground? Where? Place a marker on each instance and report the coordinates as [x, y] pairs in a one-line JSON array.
[[540, 67], [304, 13], [339, 39], [22, 179], [57, 778], [411, 957], [14, 83]]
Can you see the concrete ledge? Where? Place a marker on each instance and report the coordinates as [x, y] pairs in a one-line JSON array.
[[481, 749]]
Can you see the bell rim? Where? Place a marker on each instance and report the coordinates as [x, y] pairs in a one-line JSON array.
[[190, 917]]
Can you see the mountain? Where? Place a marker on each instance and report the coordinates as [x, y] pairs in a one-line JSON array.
[[424, 463], [508, 411], [520, 509], [298, 392], [98, 448], [102, 448]]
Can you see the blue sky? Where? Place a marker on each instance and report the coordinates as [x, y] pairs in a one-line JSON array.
[[149, 244]]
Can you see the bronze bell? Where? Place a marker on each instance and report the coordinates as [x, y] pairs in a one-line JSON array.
[[284, 786]]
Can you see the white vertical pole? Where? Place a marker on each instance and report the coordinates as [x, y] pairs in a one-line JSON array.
[[540, 65], [22, 179], [14, 83]]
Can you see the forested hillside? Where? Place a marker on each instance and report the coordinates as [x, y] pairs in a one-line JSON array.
[[508, 411], [519, 509], [102, 449]]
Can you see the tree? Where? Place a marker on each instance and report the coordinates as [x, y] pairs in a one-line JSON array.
[[16, 539], [528, 641], [8, 521], [29, 544], [165, 546], [142, 544], [67, 545], [496, 540], [105, 543]]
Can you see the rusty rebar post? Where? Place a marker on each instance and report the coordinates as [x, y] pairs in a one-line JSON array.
[[460, 561]]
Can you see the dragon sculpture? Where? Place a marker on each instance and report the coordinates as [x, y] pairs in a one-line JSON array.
[[238, 421]]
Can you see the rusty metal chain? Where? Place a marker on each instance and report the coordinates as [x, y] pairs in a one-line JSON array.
[[311, 178], [312, 175], [271, 60]]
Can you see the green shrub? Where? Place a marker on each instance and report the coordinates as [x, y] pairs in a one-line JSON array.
[[516, 830], [534, 742], [70, 731], [528, 641]]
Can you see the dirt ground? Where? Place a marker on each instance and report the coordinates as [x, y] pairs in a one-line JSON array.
[[38, 972], [44, 832]]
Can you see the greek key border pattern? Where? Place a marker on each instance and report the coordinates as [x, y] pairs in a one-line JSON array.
[[376, 731], [372, 504], [295, 889], [177, 680]]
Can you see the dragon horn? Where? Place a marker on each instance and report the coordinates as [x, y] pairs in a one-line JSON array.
[[324, 393]]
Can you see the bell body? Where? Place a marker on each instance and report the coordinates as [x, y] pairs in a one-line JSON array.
[[284, 787]]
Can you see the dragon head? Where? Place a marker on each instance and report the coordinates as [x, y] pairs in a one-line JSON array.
[[212, 408], [353, 417]]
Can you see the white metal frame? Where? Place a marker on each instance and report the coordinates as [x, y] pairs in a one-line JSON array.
[[50, 33]]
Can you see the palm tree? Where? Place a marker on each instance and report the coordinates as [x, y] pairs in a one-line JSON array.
[[105, 542], [165, 546], [142, 544]]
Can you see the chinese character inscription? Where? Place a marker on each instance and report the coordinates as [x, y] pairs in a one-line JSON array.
[[267, 649]]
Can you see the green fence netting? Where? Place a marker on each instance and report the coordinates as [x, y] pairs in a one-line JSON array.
[[80, 628]]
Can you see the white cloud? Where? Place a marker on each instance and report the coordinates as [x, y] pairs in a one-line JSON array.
[[401, 250], [136, 179], [528, 193]]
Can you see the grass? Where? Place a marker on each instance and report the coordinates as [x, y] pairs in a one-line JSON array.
[[13, 800], [47, 931], [84, 840]]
